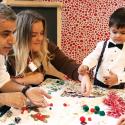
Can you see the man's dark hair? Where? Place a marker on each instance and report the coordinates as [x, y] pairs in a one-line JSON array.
[[118, 18], [6, 12]]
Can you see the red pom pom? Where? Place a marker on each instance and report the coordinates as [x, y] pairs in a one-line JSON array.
[[64, 104], [82, 119], [92, 110], [51, 104], [89, 119]]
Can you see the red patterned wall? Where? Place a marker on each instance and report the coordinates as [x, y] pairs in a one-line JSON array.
[[84, 23]]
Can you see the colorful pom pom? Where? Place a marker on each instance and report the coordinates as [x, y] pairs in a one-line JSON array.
[[85, 108], [65, 105], [101, 113], [51, 104], [82, 119], [92, 110], [89, 119], [50, 108], [97, 108]]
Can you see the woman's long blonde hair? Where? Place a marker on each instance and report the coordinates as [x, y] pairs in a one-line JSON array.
[[25, 20]]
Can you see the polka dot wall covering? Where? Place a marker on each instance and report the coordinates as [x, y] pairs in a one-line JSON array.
[[84, 23]]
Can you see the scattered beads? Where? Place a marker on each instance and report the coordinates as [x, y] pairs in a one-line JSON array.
[[61, 82], [17, 119], [9, 113]]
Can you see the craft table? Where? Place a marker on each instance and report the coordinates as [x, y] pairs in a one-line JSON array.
[[66, 106]]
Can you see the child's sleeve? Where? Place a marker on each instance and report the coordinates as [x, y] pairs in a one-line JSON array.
[[92, 59]]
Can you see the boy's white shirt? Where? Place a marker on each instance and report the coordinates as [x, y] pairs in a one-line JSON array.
[[113, 60], [4, 75]]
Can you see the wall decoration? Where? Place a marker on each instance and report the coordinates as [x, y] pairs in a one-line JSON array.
[[84, 23]]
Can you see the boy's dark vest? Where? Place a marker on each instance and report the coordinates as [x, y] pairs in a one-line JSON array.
[[99, 83]]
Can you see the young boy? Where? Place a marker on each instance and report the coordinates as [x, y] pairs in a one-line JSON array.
[[108, 57]]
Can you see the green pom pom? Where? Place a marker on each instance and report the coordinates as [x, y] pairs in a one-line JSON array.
[[97, 108], [96, 112], [101, 113], [50, 108], [85, 108]]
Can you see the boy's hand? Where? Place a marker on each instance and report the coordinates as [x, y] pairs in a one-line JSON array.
[[111, 79], [82, 70]]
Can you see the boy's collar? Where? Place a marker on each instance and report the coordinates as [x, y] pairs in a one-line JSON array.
[[110, 40]]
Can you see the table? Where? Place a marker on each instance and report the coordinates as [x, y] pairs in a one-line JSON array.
[[66, 106]]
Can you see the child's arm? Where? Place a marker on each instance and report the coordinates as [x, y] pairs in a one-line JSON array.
[[86, 85]]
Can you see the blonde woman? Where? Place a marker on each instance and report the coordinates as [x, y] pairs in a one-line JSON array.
[[31, 46]]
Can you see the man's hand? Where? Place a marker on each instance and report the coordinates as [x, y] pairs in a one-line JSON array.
[[82, 70], [14, 99], [111, 79], [121, 120], [37, 96]]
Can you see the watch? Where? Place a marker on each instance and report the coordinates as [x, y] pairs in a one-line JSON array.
[[25, 89]]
